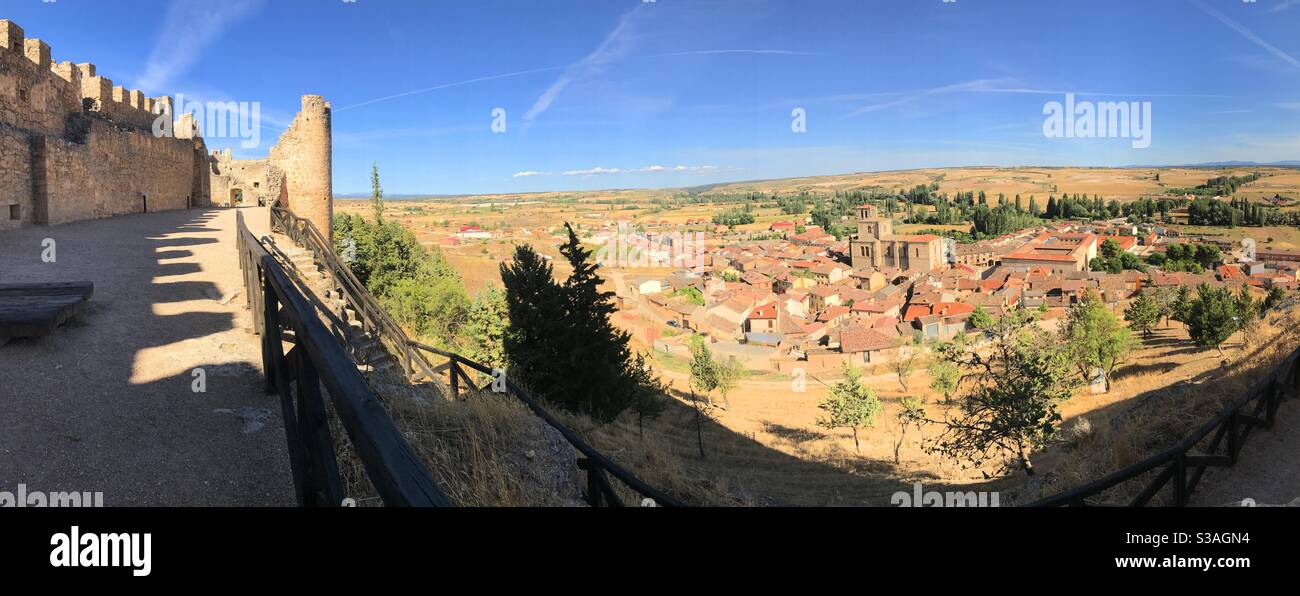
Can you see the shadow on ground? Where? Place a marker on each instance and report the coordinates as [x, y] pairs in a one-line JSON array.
[[108, 402]]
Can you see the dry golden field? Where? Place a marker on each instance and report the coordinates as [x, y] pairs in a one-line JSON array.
[[1112, 183]]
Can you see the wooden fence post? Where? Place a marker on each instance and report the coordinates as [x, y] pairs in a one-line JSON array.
[[454, 370], [1233, 424], [322, 485], [270, 333], [1180, 480], [594, 492]]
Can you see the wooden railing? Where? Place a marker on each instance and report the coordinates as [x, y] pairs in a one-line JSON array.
[[374, 320], [1182, 465], [281, 312], [411, 355], [598, 467]]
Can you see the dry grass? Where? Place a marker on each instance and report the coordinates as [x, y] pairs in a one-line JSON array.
[[1158, 417], [484, 450], [478, 448], [490, 450]]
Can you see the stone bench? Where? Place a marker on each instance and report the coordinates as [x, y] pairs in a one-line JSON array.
[[36, 310]]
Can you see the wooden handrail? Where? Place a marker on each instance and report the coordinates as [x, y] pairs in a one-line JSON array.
[[1233, 423], [304, 232], [411, 357], [596, 463], [316, 360]]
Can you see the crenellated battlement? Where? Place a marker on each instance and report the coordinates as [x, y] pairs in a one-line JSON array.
[[11, 36], [74, 145], [65, 88]]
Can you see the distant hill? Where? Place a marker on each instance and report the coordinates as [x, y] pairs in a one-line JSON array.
[[1290, 163], [1122, 183]]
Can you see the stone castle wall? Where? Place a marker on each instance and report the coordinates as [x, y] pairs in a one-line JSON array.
[[304, 154], [75, 146], [297, 172]]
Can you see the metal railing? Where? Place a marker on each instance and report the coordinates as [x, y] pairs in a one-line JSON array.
[[1182, 465], [280, 313], [411, 357]]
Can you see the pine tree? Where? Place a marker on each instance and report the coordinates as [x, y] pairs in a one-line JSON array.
[[376, 194], [604, 376], [1212, 317], [532, 341], [1143, 314]]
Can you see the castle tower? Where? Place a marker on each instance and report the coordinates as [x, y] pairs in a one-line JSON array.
[[305, 155]]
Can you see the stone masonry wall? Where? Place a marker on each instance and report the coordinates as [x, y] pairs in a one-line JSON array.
[[256, 180], [16, 207], [75, 146], [117, 172], [304, 154]]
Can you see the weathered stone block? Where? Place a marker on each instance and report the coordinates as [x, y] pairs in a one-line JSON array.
[[11, 36], [38, 52]]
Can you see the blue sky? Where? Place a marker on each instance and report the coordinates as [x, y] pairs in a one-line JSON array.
[[625, 93]]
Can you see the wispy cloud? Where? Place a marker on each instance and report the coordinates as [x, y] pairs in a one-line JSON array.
[[494, 77], [614, 48], [655, 169], [999, 85], [1247, 33], [1284, 5], [1288, 105], [188, 29], [967, 86], [530, 174], [715, 52]]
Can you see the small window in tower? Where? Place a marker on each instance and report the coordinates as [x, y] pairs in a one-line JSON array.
[[257, 185], [15, 212]]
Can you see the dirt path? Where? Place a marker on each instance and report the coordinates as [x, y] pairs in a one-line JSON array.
[[107, 402], [1267, 470]]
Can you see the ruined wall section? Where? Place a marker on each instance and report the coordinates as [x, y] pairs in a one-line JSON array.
[[256, 180], [304, 154], [75, 146]]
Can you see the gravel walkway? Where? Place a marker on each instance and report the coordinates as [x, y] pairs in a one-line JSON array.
[[107, 402], [1267, 470]]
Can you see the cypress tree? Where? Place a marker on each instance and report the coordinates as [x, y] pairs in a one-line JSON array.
[[561, 343], [535, 308]]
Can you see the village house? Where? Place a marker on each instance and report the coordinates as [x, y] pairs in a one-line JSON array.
[[868, 279], [824, 296], [1059, 252], [864, 346], [978, 254], [762, 319], [798, 304]]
